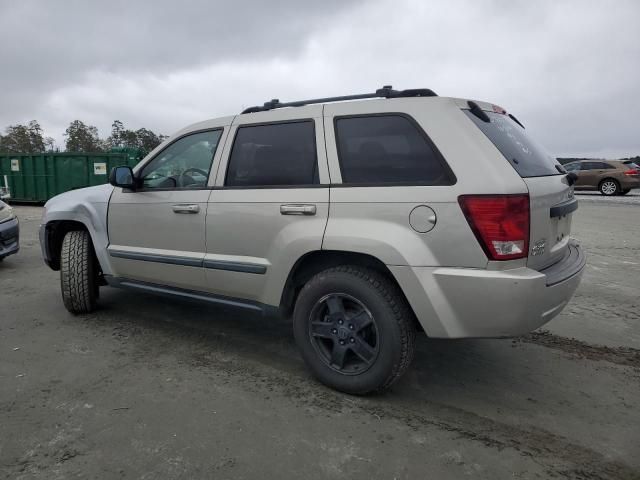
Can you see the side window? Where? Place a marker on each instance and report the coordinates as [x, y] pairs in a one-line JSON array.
[[276, 154], [388, 149], [589, 165], [572, 167], [184, 164], [606, 166]]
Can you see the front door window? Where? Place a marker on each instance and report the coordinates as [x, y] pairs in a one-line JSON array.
[[185, 164]]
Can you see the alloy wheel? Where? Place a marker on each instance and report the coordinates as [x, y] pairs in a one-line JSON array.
[[609, 187], [344, 333]]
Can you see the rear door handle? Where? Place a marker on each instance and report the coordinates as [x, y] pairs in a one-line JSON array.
[[305, 209], [185, 208]]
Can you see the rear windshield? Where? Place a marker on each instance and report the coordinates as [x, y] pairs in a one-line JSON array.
[[525, 155]]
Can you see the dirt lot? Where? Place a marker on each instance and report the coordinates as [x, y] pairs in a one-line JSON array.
[[153, 388]]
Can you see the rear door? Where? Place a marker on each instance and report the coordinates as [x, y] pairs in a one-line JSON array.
[[551, 198], [270, 204]]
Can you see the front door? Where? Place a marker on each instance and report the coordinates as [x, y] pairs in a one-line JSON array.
[[157, 232], [270, 203]]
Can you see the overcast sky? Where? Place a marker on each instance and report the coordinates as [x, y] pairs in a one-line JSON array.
[[570, 71]]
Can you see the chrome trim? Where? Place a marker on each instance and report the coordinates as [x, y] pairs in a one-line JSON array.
[[235, 266], [231, 266], [150, 257]]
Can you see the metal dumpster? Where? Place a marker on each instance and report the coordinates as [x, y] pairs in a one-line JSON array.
[[38, 177]]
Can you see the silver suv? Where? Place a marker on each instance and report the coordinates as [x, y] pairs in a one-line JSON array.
[[366, 221]]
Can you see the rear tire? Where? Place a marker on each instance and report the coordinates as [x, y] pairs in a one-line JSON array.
[[354, 329], [78, 273], [609, 187]]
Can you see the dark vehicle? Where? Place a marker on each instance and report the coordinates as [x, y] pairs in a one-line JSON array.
[[609, 177], [9, 230]]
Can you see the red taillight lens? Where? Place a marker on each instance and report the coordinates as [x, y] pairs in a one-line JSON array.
[[500, 223], [632, 171]]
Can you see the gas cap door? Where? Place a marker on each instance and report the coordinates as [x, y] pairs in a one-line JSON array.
[[422, 219]]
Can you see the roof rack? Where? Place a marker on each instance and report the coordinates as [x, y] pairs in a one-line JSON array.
[[385, 92]]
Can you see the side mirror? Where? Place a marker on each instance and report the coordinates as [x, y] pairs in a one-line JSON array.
[[122, 177]]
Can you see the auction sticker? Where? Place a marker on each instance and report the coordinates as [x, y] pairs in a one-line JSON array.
[[99, 168], [15, 165]]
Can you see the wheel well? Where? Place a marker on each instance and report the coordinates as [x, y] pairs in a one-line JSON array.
[[56, 231], [314, 262], [609, 178]]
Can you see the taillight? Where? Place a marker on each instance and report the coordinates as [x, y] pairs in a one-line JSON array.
[[632, 171], [500, 223]]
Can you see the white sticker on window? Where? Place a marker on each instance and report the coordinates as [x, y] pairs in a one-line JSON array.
[[99, 168]]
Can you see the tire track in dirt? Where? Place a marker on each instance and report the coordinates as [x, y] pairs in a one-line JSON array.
[[626, 356], [557, 454]]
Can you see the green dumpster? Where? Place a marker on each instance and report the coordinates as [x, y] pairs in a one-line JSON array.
[[132, 152], [38, 177]]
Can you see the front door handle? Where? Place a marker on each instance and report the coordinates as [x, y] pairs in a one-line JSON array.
[[298, 209], [185, 208]]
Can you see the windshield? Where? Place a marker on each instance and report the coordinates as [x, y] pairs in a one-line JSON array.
[[525, 155]]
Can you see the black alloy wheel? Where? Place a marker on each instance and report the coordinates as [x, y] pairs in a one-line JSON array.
[[344, 333]]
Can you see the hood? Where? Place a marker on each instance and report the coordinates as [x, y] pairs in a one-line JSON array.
[[97, 194]]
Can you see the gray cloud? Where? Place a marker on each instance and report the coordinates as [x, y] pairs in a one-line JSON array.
[[568, 70]]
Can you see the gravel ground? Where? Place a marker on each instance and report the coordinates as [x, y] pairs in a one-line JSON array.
[[154, 388]]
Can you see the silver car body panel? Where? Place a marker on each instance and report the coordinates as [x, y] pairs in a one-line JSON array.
[[376, 218], [163, 246], [88, 206], [247, 224]]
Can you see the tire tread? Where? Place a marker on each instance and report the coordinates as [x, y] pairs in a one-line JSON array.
[[402, 313], [77, 272]]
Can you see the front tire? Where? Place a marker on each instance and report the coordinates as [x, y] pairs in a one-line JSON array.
[[354, 329], [78, 273], [609, 187]]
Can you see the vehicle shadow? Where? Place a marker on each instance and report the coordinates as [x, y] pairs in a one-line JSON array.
[[440, 367], [505, 393]]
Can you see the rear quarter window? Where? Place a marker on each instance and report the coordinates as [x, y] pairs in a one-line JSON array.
[[524, 154], [388, 149]]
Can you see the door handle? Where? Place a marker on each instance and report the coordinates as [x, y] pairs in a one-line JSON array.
[[305, 209], [185, 208]]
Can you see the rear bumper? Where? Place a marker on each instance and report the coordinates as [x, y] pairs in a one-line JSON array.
[[629, 182], [460, 302], [9, 237]]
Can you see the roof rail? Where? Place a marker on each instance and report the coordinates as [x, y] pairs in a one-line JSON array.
[[385, 92]]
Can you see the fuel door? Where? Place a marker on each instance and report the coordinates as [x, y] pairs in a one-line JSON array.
[[422, 219]]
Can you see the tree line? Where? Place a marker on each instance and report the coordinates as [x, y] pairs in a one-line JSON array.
[[79, 137]]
